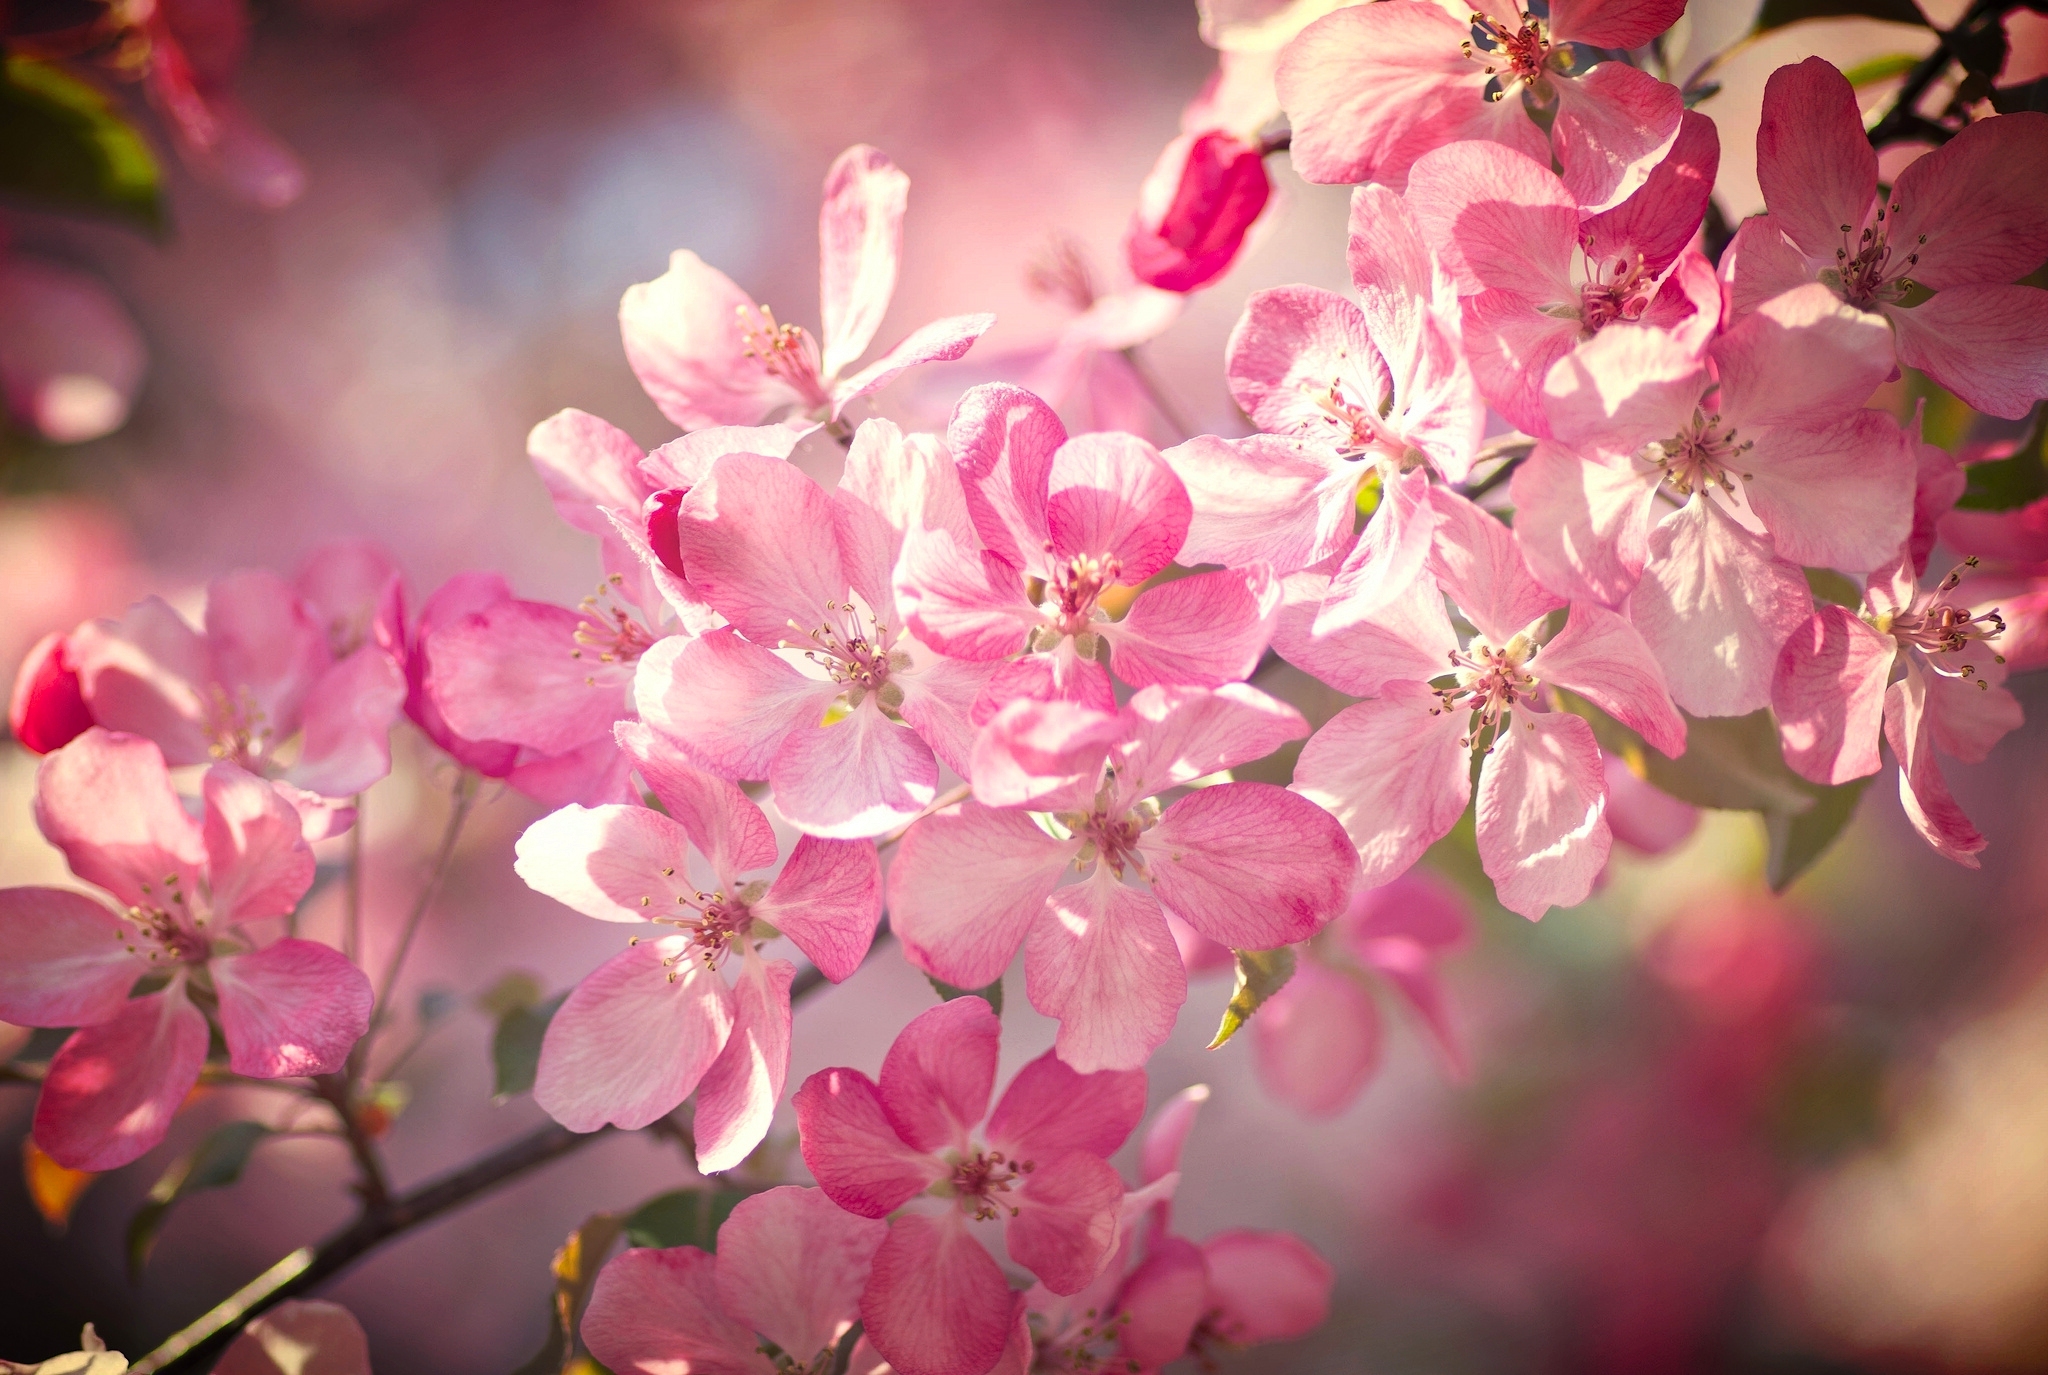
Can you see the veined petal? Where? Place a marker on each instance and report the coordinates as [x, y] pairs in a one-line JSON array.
[[1800, 358], [292, 1008], [1988, 343], [1613, 23], [1584, 527], [1499, 219], [757, 537], [146, 673], [1294, 344], [1267, 1286], [828, 899], [856, 777], [1387, 560], [1614, 125], [1250, 865], [1828, 695], [791, 1266], [1760, 263], [1050, 1108], [1477, 562], [1625, 387], [347, 716], [1817, 170], [1004, 438], [606, 862], [1181, 734], [860, 240], [257, 861], [1661, 217], [736, 1097], [1834, 496], [1264, 498], [936, 1303], [658, 1313], [1112, 494], [961, 601], [1200, 631], [1411, 637], [1980, 200], [939, 1073], [1361, 83], [727, 702], [1065, 1227], [1923, 792], [515, 672], [720, 820], [1103, 962], [852, 1148], [1603, 658], [589, 466], [67, 960], [105, 800], [1395, 770], [684, 338], [941, 341], [1543, 834], [112, 1089], [965, 887]]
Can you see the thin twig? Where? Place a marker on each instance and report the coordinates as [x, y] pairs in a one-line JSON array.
[[464, 799], [352, 923], [374, 1184], [1904, 120], [1156, 394]]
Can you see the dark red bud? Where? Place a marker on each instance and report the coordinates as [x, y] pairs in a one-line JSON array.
[[662, 538], [1222, 189], [48, 708]]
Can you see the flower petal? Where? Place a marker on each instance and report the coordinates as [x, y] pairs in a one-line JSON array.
[[1923, 792], [939, 1072], [729, 703], [1113, 495], [1250, 865], [792, 1264], [860, 240], [1988, 343], [936, 1303], [1200, 631], [683, 334], [1263, 498], [737, 1096], [941, 341], [112, 1088], [1050, 1108], [1828, 695], [1584, 527], [512, 672], [589, 466], [1317, 1040], [828, 899], [1395, 770], [856, 777], [720, 820], [1267, 1286], [1477, 562], [1614, 125], [1543, 836], [1603, 658], [257, 861], [606, 862], [105, 800], [1102, 961], [1004, 438], [67, 961], [851, 1146], [658, 1313], [292, 1008], [1815, 167], [1065, 1227], [965, 886], [1980, 200]]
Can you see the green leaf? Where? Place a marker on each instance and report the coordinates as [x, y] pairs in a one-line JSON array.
[[993, 993], [1797, 840], [1776, 14], [1881, 69], [215, 1163], [1830, 586], [64, 146], [2019, 479], [515, 1047], [682, 1217], [1260, 974], [575, 1269]]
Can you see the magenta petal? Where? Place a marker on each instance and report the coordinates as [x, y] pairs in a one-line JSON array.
[[939, 1072], [257, 859], [792, 1264], [860, 239], [1968, 718], [965, 887], [1263, 499], [105, 800], [589, 466], [729, 703], [1816, 169], [737, 1096], [1614, 125], [1543, 836], [1986, 342], [1828, 694], [658, 1313], [1479, 565], [1250, 865], [721, 821], [683, 336], [852, 1148], [1603, 658], [1162, 1301], [1113, 495], [47, 709], [64, 959], [1317, 1040], [113, 1088], [1004, 438], [1050, 1108], [1103, 962], [292, 1008], [857, 777], [1923, 792], [1613, 23], [1200, 631], [936, 1303], [347, 716], [1981, 200], [511, 672], [941, 341], [1065, 1226], [828, 899], [1394, 770], [634, 1038], [1267, 1286], [1664, 213]]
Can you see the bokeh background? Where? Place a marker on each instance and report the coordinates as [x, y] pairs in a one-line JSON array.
[[1706, 1129]]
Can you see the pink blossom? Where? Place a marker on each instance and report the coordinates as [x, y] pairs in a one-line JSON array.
[[71, 358], [1246, 864], [708, 355], [1644, 817], [1914, 667], [47, 709], [657, 1021], [1318, 1039], [1396, 768], [2014, 573], [789, 1272], [299, 1337], [1195, 209], [1963, 222], [1083, 517], [182, 890], [1694, 497], [1535, 277], [936, 1302], [190, 51], [1371, 88]]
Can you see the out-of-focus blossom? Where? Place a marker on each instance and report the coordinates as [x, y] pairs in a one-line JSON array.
[[1645, 818], [1087, 371], [91, 1358], [1371, 88], [936, 1302], [689, 1031], [299, 1337], [1195, 209], [1249, 865], [708, 355], [789, 1271], [47, 710], [71, 358], [184, 889]]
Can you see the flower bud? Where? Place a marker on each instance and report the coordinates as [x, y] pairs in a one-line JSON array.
[[1193, 211], [48, 708]]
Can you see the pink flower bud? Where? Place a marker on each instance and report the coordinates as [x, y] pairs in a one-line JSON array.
[[48, 708], [1194, 210]]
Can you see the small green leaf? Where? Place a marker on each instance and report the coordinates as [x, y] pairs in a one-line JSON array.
[[2019, 479], [1830, 586], [1879, 69], [1776, 14], [1260, 974], [682, 1217], [993, 994], [575, 1269], [64, 146], [1799, 839], [513, 990], [215, 1163], [515, 1047]]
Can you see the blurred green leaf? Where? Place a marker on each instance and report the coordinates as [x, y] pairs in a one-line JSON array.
[[1798, 839], [993, 994], [1830, 586], [682, 1217], [515, 1046], [575, 1270], [2019, 479], [215, 1163], [1881, 69], [1776, 14], [1260, 974], [64, 146]]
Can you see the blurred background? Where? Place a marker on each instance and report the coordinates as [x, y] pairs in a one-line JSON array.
[[1706, 1129]]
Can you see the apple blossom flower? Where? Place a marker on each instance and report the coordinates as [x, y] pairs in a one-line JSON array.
[[1915, 667], [183, 891], [658, 1021], [1695, 496], [71, 358], [708, 355], [1396, 768], [1371, 88], [91, 1358], [815, 685], [936, 1302], [1086, 371], [1247, 864], [1079, 518], [777, 1298], [1963, 222], [2013, 549], [1535, 276]]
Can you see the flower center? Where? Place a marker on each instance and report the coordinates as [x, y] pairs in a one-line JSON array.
[[980, 1181], [1061, 273], [166, 932], [1069, 599], [720, 922], [1092, 1348], [852, 646], [1110, 832], [236, 725], [1489, 681], [1864, 272], [787, 352], [607, 631], [1700, 456], [1616, 288], [1513, 56], [1358, 428], [1934, 625]]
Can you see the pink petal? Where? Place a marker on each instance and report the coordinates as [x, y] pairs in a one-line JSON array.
[[908, 480], [605, 862], [145, 673], [1644, 818], [1828, 695], [936, 1302], [1981, 200], [593, 775], [1603, 658], [1800, 358], [257, 860], [515, 672], [1263, 499], [860, 240], [262, 646], [1317, 1040], [1614, 125], [1250, 865], [1498, 219], [1295, 342], [1159, 1153], [939, 697], [1661, 217], [1388, 558], [939, 1072], [347, 716], [67, 960], [1923, 792], [1967, 717], [736, 1097], [941, 341], [1268, 1286], [1047, 753], [857, 777], [1833, 497], [683, 336], [1065, 1227], [634, 1038], [961, 601], [1938, 483], [300, 1337], [1543, 835], [105, 800], [1715, 606], [684, 460], [828, 899], [726, 702], [1411, 637], [112, 1088], [589, 466], [71, 358], [1195, 208], [720, 820], [1584, 527], [1182, 734], [1613, 23], [1112, 494], [1760, 263], [1102, 961], [1004, 438], [1987, 343], [1200, 631], [658, 1313], [792, 1264], [292, 1008], [1816, 169], [1409, 965], [851, 1146], [47, 709], [756, 535], [455, 599], [1477, 562], [1626, 387], [1162, 1301], [965, 886], [1513, 344], [1050, 1109], [1395, 770]]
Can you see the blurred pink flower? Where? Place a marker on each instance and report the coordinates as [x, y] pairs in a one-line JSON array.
[[71, 358], [299, 1337]]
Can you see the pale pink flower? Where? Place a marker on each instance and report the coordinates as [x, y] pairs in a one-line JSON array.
[[708, 355], [183, 890], [815, 684], [1081, 516], [789, 1271], [1396, 768], [658, 1021], [1963, 222], [1536, 276], [1695, 496], [1372, 88], [299, 1337], [1915, 667], [71, 358], [1247, 864], [936, 1302]]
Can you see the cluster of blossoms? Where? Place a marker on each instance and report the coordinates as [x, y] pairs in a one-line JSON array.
[[1548, 478]]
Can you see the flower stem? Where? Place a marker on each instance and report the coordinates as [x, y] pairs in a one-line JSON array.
[[1156, 394], [464, 798]]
